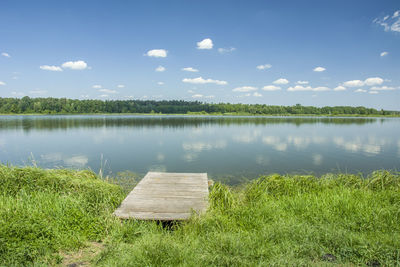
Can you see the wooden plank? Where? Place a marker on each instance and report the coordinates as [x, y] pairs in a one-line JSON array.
[[166, 196]]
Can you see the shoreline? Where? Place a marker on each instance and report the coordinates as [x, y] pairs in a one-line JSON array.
[[207, 115]]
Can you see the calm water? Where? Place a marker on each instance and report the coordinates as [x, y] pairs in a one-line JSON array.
[[227, 148]]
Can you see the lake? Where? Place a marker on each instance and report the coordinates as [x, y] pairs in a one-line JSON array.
[[230, 149]]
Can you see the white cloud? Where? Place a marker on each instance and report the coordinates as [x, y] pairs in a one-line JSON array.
[[200, 80], [75, 65], [38, 92], [50, 68], [264, 67], [339, 88], [226, 50], [205, 44], [244, 89], [2, 83], [382, 88], [307, 88], [281, 81], [256, 94], [4, 54], [319, 69], [190, 69], [302, 82], [160, 69], [103, 96], [108, 91], [271, 88], [389, 24], [121, 85], [384, 53], [197, 96], [373, 81], [157, 53], [360, 91], [96, 86], [84, 96], [353, 83], [160, 83], [373, 92]]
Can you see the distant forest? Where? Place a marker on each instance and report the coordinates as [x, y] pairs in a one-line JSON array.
[[27, 105]]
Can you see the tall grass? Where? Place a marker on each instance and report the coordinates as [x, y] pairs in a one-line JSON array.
[[275, 220], [46, 211]]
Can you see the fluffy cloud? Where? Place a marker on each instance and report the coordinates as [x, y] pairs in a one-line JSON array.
[[160, 69], [373, 81], [319, 69], [360, 91], [382, 88], [389, 23], [75, 65], [157, 53], [50, 68], [226, 50], [384, 53], [264, 67], [4, 54], [108, 91], [257, 94], [307, 88], [103, 96], [205, 44], [369, 81], [271, 88], [202, 96], [160, 83], [200, 80], [281, 81], [339, 88], [302, 82], [244, 89], [353, 83], [373, 92], [96, 86], [190, 69], [121, 85], [2, 83]]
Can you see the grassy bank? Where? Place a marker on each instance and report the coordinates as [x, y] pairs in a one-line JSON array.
[[64, 216]]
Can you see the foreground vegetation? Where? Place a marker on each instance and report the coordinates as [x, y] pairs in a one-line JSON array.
[[27, 105], [64, 216]]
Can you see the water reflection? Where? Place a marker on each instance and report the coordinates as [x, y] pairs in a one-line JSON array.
[[58, 158], [227, 148], [57, 122], [371, 146]]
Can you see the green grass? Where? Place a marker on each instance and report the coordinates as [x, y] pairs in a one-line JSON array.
[[272, 221]]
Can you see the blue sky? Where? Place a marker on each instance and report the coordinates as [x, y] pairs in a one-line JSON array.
[[269, 52]]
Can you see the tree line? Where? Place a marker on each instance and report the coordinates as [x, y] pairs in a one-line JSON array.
[[27, 105]]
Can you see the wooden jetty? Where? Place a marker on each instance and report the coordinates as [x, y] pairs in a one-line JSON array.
[[166, 197]]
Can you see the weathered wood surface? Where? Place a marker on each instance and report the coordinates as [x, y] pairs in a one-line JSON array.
[[166, 196]]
